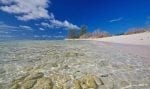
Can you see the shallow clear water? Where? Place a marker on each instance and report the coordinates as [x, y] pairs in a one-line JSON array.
[[73, 59]]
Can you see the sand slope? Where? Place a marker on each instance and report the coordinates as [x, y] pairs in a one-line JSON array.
[[136, 39]]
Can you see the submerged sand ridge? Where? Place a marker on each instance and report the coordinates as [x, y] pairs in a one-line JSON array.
[[70, 65]]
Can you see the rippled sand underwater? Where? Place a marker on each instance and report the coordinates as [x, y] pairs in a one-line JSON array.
[[70, 65]]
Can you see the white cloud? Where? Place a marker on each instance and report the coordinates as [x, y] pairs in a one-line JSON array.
[[46, 25], [34, 9], [59, 24], [148, 17], [64, 24], [36, 36], [58, 36], [116, 20], [25, 27], [42, 29], [53, 23], [46, 36], [26, 9], [4, 26], [36, 24]]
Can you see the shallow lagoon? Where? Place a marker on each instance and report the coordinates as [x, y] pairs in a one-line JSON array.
[[70, 64]]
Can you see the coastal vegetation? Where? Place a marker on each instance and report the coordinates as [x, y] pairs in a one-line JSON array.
[[83, 32], [136, 30], [77, 33]]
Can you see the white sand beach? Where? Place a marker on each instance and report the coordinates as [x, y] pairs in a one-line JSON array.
[[134, 44], [135, 39]]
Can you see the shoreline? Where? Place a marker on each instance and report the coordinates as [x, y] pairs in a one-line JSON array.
[[133, 39]]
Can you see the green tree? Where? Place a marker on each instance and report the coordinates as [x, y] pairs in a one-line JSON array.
[[83, 30], [72, 33]]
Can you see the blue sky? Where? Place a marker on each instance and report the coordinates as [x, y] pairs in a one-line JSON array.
[[52, 18]]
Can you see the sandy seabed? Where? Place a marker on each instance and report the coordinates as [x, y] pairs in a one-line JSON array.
[[72, 65]]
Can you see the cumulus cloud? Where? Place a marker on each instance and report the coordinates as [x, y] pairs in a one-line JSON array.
[[26, 9], [59, 24], [116, 20], [65, 24], [34, 9]]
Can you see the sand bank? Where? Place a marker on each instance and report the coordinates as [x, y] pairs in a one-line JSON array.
[[135, 39]]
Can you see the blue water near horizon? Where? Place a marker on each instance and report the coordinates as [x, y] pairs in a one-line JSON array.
[[26, 39]]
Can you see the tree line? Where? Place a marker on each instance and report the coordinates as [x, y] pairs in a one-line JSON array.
[[83, 33], [77, 33]]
